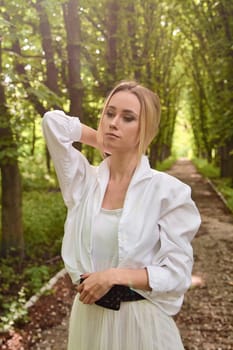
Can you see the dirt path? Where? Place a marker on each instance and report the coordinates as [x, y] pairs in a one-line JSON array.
[[206, 319]]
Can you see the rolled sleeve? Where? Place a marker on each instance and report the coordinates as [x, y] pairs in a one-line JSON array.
[[72, 168], [179, 222]]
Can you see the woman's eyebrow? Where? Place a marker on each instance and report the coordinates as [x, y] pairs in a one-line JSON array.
[[124, 110], [130, 112]]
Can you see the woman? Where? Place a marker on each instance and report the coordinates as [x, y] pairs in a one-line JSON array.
[[128, 228]]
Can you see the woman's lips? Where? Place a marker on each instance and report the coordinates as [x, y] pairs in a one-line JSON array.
[[110, 134]]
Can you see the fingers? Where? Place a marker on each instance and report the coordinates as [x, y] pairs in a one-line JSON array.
[[92, 288], [87, 295], [85, 291], [85, 275], [85, 298]]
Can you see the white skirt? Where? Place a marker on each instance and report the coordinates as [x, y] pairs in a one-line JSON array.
[[138, 325]]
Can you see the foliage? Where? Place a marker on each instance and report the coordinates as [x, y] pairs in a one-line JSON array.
[[226, 188], [37, 275], [166, 164], [8, 276], [223, 185], [171, 47], [182, 145], [207, 169], [207, 29], [43, 219], [44, 215], [16, 312]]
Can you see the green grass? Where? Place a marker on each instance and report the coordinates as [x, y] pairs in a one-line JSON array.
[[166, 164], [208, 170], [225, 188], [223, 185]]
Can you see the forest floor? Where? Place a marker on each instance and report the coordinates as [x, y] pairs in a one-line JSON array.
[[206, 318]]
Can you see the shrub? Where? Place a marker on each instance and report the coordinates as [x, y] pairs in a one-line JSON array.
[[166, 164], [224, 185], [43, 220], [205, 168]]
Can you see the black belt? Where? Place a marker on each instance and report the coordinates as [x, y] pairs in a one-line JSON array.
[[118, 293]]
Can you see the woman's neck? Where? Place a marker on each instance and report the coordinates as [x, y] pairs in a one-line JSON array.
[[122, 167]]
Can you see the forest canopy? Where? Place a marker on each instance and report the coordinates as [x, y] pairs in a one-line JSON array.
[[67, 54]]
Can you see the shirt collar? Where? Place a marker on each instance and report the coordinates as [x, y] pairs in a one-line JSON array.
[[142, 171]]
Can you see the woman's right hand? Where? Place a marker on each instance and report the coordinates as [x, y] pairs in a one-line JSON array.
[[95, 285]]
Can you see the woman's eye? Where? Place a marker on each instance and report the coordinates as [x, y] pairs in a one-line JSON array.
[[128, 118], [109, 114]]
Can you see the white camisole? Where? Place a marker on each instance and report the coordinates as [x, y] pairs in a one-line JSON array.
[[105, 240]]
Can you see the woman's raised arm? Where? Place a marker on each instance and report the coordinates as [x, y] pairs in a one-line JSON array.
[[88, 136]]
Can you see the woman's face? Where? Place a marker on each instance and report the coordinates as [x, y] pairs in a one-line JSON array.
[[121, 123]]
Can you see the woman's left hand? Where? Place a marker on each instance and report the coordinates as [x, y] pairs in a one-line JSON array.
[[95, 285]]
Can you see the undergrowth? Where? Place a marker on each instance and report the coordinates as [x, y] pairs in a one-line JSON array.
[[223, 185], [166, 164], [43, 221]]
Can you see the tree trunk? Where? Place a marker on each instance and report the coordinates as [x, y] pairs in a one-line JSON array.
[[132, 30], [111, 49], [73, 32], [12, 228], [165, 152], [47, 44], [51, 70], [153, 154], [226, 159]]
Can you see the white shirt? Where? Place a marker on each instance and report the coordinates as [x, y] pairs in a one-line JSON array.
[[158, 220]]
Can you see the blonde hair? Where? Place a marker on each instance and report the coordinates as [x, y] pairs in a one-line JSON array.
[[149, 113]]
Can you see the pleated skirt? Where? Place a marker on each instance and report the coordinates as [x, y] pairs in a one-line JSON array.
[[138, 325]]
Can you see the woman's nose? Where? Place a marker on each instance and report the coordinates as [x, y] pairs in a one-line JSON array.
[[114, 122]]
